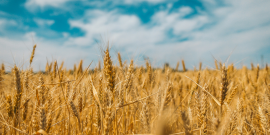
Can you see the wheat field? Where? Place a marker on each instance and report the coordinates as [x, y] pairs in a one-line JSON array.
[[117, 98]]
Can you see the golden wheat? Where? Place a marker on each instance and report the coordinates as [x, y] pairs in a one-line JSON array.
[[132, 99]]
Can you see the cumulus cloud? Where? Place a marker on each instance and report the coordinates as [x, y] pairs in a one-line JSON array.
[[128, 29], [44, 22], [7, 22], [44, 3], [33, 5], [139, 1], [239, 24]]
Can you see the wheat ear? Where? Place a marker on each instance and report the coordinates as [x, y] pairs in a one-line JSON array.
[[33, 54]]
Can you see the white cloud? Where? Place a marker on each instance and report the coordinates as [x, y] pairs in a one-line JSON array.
[[44, 22], [139, 1], [7, 22], [129, 30], [169, 5], [101, 23], [44, 3], [33, 5], [241, 24], [185, 10]]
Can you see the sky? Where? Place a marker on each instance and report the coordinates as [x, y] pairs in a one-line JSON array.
[[231, 31]]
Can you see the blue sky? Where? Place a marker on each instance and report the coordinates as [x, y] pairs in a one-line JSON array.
[[162, 30]]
